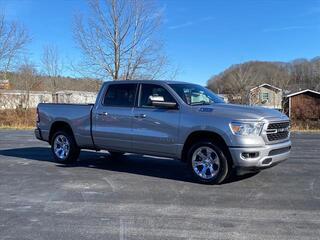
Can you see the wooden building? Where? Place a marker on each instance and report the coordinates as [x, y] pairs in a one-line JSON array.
[[304, 105]]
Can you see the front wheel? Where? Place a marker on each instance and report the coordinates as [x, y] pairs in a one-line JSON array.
[[207, 162], [64, 147]]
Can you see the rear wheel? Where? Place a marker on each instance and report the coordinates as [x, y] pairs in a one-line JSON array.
[[64, 147], [207, 162]]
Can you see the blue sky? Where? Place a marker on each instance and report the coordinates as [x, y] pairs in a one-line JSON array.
[[202, 37]]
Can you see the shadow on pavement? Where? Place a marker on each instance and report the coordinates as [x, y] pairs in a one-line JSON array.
[[129, 163]]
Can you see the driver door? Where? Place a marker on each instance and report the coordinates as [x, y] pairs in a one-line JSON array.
[[155, 129]]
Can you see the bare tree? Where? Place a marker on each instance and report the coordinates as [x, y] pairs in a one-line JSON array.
[[281, 78], [13, 39], [243, 78], [52, 65], [119, 39], [30, 80]]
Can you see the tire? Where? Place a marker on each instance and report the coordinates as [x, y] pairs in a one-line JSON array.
[[69, 152], [206, 155], [116, 154]]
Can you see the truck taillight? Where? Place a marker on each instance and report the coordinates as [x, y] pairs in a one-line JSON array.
[[37, 117]]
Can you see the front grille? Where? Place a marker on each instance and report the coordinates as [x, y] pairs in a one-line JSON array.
[[278, 131], [278, 125]]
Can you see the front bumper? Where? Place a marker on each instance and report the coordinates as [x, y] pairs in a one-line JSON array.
[[268, 155]]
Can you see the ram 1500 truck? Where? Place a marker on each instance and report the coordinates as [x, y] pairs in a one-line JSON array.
[[168, 119]]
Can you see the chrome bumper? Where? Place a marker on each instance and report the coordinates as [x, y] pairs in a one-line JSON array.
[[269, 155]]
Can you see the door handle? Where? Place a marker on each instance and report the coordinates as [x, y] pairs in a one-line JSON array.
[[103, 114], [140, 116]]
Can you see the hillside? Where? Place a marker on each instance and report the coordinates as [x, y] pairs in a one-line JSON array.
[[290, 76]]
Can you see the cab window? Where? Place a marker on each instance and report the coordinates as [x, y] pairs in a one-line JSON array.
[[120, 95], [151, 92]]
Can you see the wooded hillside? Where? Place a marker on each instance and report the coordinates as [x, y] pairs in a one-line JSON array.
[[238, 79]]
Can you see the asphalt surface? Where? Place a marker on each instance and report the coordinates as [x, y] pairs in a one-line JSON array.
[[140, 197]]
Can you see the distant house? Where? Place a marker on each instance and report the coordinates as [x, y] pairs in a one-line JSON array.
[[303, 105], [234, 98], [4, 84], [74, 97], [224, 97], [13, 99], [267, 96]]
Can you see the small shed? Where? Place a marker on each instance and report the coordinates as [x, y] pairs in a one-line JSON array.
[[304, 105], [266, 95]]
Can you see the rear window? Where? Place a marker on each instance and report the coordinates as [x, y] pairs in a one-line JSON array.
[[120, 95]]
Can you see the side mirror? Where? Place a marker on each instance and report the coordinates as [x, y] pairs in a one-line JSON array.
[[158, 101]]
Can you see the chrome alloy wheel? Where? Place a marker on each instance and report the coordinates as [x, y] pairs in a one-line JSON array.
[[61, 147], [205, 162]]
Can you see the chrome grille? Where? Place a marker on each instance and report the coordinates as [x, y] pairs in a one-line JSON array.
[[278, 125], [278, 131]]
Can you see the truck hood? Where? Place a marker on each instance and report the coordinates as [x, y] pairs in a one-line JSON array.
[[243, 112]]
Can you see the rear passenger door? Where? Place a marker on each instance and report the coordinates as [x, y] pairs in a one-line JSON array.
[[113, 118], [155, 130]]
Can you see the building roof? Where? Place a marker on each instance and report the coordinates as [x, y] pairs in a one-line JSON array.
[[303, 91], [266, 85]]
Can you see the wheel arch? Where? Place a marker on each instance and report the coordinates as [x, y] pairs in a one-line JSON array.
[[209, 135], [60, 126]]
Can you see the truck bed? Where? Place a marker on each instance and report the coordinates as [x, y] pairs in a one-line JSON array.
[[78, 116]]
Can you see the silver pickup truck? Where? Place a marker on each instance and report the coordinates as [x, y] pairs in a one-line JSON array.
[[168, 119]]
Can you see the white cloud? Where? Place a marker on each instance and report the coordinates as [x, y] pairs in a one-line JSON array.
[[182, 25], [288, 28], [190, 23]]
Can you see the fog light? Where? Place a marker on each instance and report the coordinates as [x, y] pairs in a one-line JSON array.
[[267, 161], [250, 154]]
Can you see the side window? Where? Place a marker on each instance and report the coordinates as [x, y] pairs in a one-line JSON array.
[[265, 96], [120, 95], [153, 91]]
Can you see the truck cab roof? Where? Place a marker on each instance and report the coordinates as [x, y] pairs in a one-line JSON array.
[[146, 81]]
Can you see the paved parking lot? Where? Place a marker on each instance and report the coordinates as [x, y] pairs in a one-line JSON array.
[[140, 197]]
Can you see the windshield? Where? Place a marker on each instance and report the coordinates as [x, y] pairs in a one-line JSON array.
[[195, 95]]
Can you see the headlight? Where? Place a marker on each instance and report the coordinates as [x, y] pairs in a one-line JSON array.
[[246, 128]]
